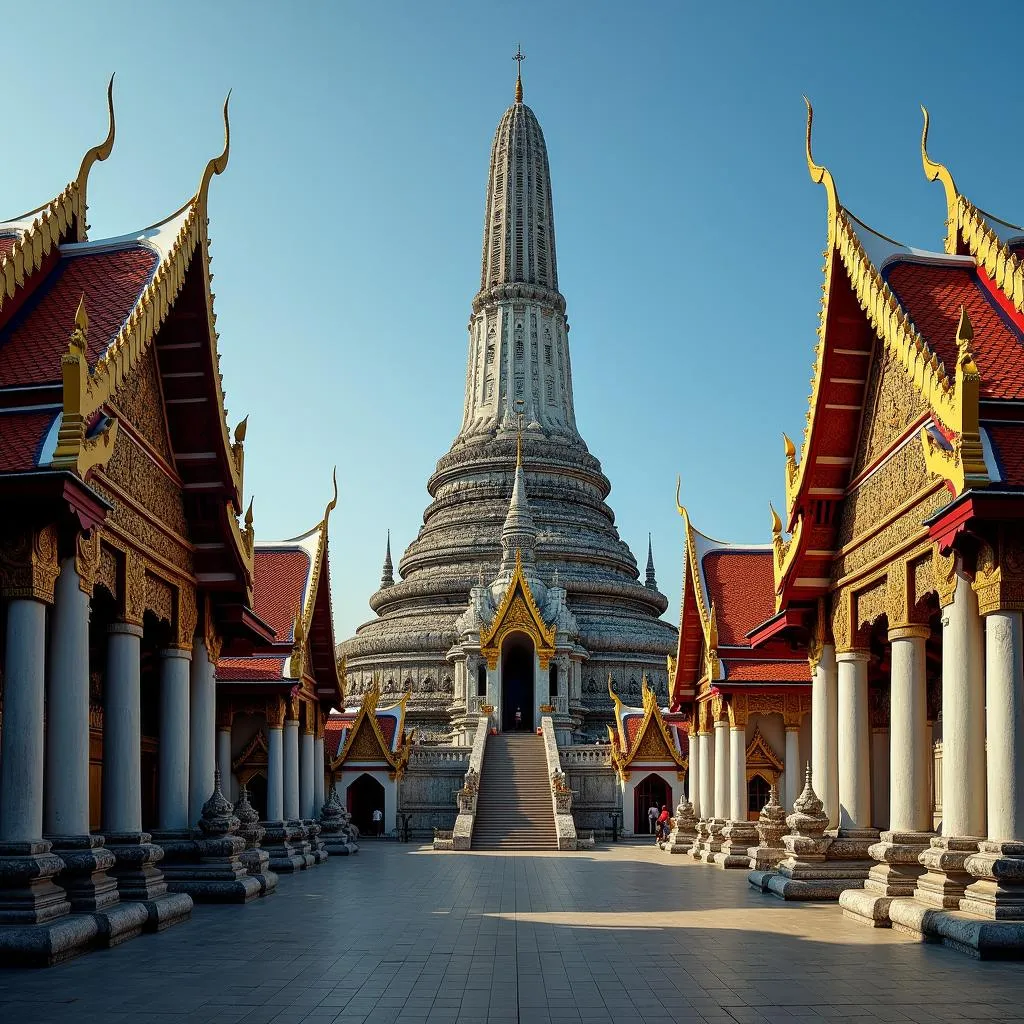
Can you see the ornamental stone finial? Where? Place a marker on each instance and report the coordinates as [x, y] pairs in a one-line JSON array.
[[387, 576], [651, 582], [218, 817]]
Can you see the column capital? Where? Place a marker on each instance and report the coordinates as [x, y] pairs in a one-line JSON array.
[[125, 628], [999, 576], [792, 726], [175, 652], [910, 631], [853, 654], [28, 563]]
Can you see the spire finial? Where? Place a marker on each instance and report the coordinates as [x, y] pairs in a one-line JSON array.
[[387, 577], [651, 582], [519, 58]]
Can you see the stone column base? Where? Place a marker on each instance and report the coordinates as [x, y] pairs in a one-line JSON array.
[[92, 891], [209, 870], [738, 837], [896, 874], [286, 843], [763, 862], [680, 842], [998, 893], [981, 938], [945, 878], [140, 881], [339, 846], [28, 893], [699, 847], [257, 863]]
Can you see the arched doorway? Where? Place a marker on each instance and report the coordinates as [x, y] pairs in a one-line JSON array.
[[257, 787], [365, 796], [517, 658], [653, 790], [759, 791]]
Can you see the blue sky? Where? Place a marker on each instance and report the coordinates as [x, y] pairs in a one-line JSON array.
[[347, 227]]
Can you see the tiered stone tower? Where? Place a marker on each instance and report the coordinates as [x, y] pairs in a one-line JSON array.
[[518, 372]]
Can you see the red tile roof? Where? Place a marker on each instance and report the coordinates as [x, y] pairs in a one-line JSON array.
[[32, 344], [932, 297], [242, 669], [768, 671], [334, 729], [632, 723], [279, 586], [388, 724], [742, 586], [21, 437], [1008, 443], [7, 243]]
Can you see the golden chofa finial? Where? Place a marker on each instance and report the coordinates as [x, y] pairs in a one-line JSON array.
[[819, 174], [97, 153], [519, 58], [939, 172], [219, 163]]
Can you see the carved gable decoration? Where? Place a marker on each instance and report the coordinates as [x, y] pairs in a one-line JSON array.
[[254, 755], [762, 760], [517, 613], [652, 744], [893, 403], [367, 743], [140, 401]]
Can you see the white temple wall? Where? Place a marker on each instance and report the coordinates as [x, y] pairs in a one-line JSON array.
[[349, 776], [629, 788]]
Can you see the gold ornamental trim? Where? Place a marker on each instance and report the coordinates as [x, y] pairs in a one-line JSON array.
[[517, 613], [366, 742], [654, 743]]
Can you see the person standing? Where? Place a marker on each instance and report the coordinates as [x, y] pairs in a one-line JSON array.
[[662, 825], [519, 719], [652, 817], [378, 822]]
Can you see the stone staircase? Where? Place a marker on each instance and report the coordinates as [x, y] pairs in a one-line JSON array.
[[513, 810]]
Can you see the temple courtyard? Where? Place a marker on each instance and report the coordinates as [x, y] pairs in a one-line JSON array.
[[623, 933]]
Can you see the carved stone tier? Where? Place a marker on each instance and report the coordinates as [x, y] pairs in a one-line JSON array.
[[713, 844], [765, 857], [946, 875], [737, 837], [896, 873], [256, 860], [92, 891], [807, 873], [139, 880], [285, 841], [684, 833], [336, 827], [317, 846], [700, 844]]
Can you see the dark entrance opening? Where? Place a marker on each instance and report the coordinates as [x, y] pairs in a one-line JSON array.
[[759, 791], [257, 787], [517, 682], [653, 790], [365, 796]]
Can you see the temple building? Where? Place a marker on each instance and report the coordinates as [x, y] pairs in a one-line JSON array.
[[548, 562], [746, 708], [273, 704], [898, 570], [126, 576]]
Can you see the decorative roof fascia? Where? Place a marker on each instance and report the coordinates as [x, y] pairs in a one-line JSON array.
[[255, 746], [760, 754], [543, 636]]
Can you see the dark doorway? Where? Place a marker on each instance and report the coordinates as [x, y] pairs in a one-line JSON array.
[[759, 791], [365, 796], [517, 683], [257, 787], [653, 790]]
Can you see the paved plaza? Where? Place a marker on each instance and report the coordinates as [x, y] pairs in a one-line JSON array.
[[400, 933]]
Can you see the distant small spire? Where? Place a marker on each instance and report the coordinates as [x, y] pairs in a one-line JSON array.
[[387, 577], [519, 58], [651, 583]]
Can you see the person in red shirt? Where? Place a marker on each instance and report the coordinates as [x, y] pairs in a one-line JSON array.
[[662, 825]]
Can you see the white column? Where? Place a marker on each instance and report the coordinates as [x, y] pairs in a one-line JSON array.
[[224, 761], [174, 733], [21, 749], [275, 774], [202, 729], [909, 804], [1004, 684], [963, 716], [306, 775], [694, 773], [854, 740], [66, 798], [738, 774], [291, 769], [824, 735], [122, 731], [793, 766], [722, 769], [707, 774], [319, 780]]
